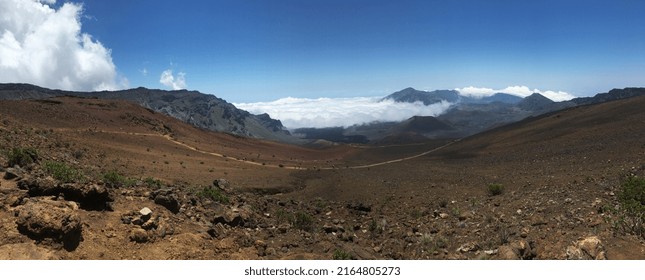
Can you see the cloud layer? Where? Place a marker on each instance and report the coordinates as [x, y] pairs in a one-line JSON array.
[[45, 46], [331, 112], [169, 80], [521, 91]]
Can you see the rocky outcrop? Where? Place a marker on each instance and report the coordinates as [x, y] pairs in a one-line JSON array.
[[50, 221], [589, 248], [89, 196]]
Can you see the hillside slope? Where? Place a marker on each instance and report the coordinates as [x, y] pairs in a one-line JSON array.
[[202, 110]]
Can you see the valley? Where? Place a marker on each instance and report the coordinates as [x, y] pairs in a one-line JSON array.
[[215, 195]]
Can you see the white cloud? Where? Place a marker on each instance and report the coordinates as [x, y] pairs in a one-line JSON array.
[[175, 83], [45, 46], [331, 112], [521, 91], [476, 92]]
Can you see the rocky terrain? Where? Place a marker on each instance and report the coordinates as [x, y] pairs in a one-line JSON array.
[[86, 178]]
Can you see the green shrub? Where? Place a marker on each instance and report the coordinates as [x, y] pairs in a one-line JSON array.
[[299, 220], [340, 254], [152, 182], [303, 221], [114, 179], [22, 156], [281, 216], [213, 194], [632, 202], [63, 172], [495, 189]]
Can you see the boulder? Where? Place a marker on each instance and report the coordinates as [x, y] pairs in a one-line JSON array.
[[589, 248], [139, 235], [223, 185], [166, 198], [89, 196], [50, 220], [517, 250]]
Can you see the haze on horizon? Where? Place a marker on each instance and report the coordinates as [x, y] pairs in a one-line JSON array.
[[261, 51]]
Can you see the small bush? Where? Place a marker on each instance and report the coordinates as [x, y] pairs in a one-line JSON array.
[[152, 182], [63, 172], [114, 179], [374, 227], [303, 221], [281, 216], [22, 156], [340, 254], [213, 194], [632, 202], [495, 189], [299, 220]]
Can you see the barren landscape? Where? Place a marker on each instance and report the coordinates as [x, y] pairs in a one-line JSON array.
[[87, 178]]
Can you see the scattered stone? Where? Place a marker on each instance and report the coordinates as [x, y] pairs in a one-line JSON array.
[[165, 228], [139, 235], [537, 220], [223, 185], [362, 254], [468, 247], [283, 228], [230, 218], [145, 212], [329, 228], [491, 252], [517, 250], [13, 173], [44, 220], [506, 252], [217, 231], [166, 198], [589, 248], [359, 206], [465, 215], [150, 224]]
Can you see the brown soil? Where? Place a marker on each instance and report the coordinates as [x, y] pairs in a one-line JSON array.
[[560, 174]]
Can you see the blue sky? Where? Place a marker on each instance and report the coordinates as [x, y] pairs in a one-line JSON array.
[[250, 51]]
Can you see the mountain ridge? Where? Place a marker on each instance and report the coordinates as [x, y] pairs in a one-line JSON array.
[[202, 110]]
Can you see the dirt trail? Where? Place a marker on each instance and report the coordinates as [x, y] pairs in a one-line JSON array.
[[169, 138]]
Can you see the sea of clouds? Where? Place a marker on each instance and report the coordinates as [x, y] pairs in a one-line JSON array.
[[333, 112], [521, 91]]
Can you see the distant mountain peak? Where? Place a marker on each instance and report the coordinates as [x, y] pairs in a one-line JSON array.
[[537, 96], [412, 95], [535, 102]]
